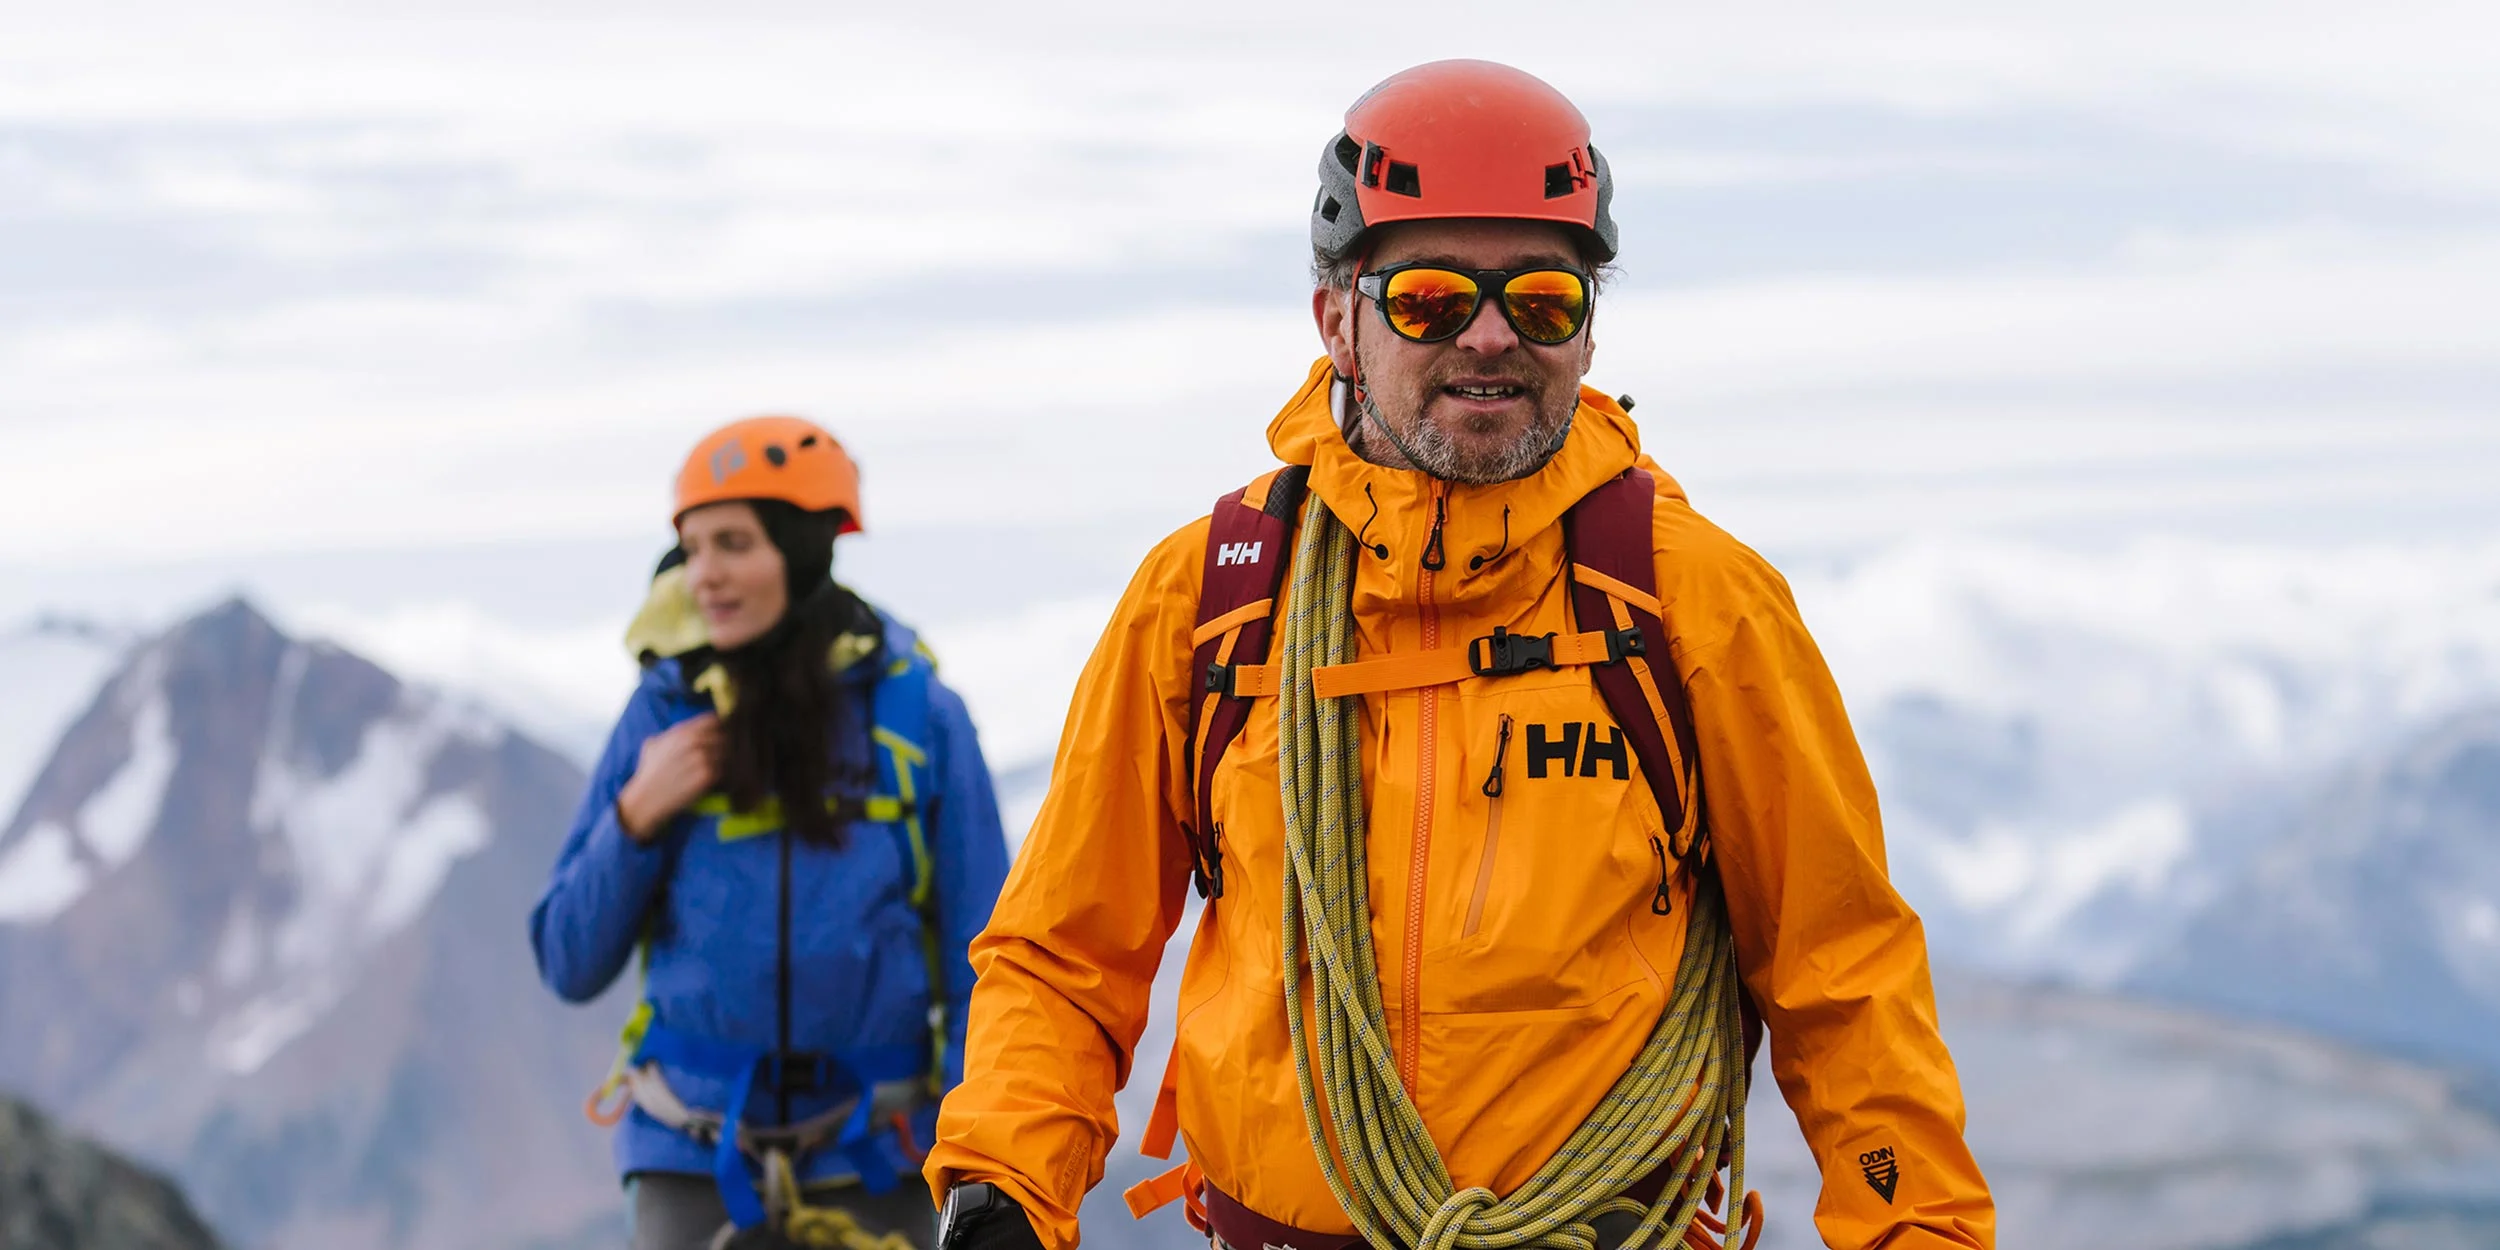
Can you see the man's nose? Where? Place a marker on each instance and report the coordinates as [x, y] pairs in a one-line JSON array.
[[1490, 333]]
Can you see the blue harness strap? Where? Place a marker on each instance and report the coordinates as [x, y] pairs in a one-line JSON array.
[[900, 733], [853, 1074]]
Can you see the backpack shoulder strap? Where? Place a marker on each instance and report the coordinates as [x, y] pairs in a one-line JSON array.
[[1614, 577], [1614, 580], [1249, 541]]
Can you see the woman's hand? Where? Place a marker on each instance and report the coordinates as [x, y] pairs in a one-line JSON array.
[[679, 764]]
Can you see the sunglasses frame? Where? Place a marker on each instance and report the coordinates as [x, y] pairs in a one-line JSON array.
[[1376, 284]]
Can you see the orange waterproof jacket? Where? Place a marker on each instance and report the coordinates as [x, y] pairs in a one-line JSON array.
[[1521, 963]]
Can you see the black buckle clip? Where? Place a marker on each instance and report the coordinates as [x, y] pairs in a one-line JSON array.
[[1505, 654], [1623, 642], [1220, 679], [800, 1071]]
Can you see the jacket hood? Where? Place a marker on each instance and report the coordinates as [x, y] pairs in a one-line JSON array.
[[1481, 521]]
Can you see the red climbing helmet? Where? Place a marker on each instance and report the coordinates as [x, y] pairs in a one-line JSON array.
[[1461, 139]]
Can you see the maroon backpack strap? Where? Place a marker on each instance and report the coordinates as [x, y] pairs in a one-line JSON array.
[[1614, 586], [1248, 546], [1614, 580]]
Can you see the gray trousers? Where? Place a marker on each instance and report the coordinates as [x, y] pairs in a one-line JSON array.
[[676, 1211]]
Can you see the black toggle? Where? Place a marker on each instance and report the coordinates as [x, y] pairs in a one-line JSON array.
[[1220, 679], [1623, 642], [1505, 654]]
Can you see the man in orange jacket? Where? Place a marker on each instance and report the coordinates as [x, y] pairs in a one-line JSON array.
[[1539, 860]]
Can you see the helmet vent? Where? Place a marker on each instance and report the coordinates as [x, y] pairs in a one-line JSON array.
[[1559, 182], [1348, 151], [1372, 158], [808, 441], [1328, 210], [1402, 180], [774, 453]]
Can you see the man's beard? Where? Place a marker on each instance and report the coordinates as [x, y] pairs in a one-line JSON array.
[[1429, 446]]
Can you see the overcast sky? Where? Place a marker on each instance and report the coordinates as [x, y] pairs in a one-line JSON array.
[[276, 284]]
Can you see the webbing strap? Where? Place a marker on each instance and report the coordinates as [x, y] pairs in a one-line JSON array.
[[1445, 665], [1614, 575], [1163, 1124], [736, 826], [1244, 566], [855, 1073], [1232, 620], [1243, 681], [1185, 1183]]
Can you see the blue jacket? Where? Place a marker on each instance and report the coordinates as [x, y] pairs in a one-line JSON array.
[[859, 965]]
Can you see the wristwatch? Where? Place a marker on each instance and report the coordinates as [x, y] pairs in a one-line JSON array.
[[965, 1207]]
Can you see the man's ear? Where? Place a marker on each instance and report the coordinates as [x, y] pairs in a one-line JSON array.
[[1332, 311]]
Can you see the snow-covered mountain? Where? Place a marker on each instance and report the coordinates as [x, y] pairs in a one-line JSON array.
[[2375, 914], [280, 948], [2077, 750], [50, 668]]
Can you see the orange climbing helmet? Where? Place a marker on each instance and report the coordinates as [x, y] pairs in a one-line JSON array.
[[790, 459], [1461, 139]]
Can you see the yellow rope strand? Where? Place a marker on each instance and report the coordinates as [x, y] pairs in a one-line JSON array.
[[813, 1227], [1681, 1105]]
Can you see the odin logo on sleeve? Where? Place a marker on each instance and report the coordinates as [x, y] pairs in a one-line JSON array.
[[1883, 1171], [1237, 553]]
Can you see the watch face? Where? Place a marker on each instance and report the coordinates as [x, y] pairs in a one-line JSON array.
[[959, 1201]]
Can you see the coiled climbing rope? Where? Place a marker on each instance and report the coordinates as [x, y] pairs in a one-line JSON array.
[[793, 1224], [1680, 1106]]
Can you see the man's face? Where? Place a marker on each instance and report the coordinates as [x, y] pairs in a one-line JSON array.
[[1485, 405]]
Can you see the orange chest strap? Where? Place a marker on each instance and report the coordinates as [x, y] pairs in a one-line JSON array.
[[1498, 654]]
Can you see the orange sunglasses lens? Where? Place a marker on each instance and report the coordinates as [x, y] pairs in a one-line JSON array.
[[1428, 304], [1546, 305]]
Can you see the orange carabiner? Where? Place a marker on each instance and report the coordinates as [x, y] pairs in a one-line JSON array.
[[607, 1117]]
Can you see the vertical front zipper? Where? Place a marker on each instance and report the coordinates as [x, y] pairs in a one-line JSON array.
[[1492, 831], [1427, 781], [781, 1084]]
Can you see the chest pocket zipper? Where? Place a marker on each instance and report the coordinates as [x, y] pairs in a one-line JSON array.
[[1661, 903], [1492, 831]]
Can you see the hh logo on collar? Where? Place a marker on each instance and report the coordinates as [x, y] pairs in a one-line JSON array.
[[1576, 748]]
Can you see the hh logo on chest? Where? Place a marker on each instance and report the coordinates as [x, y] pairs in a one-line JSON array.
[[1576, 747], [1237, 553]]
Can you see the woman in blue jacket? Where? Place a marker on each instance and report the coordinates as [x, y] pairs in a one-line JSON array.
[[793, 826]]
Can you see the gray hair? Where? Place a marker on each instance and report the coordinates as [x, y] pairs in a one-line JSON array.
[[1337, 272]]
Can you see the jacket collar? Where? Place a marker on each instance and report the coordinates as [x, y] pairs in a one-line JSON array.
[[1396, 507]]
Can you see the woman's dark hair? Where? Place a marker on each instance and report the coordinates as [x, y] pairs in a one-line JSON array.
[[783, 733]]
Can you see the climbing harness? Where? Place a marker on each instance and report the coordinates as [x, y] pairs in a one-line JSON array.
[[1679, 1107], [879, 1087]]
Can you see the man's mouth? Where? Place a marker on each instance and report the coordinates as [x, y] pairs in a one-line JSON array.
[[1485, 391]]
